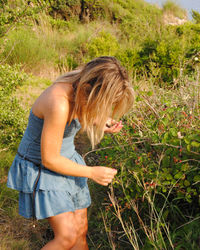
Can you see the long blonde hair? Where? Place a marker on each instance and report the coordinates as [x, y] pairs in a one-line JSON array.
[[101, 90]]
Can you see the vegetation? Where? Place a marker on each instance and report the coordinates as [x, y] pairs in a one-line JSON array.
[[154, 201], [172, 8]]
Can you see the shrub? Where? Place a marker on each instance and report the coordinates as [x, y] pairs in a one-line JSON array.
[[157, 157], [12, 121], [103, 44]]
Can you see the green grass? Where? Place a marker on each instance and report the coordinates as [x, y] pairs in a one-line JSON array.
[[22, 46]]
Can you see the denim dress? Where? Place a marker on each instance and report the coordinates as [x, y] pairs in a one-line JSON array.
[[42, 192]]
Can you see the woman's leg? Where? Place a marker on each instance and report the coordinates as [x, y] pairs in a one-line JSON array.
[[65, 231], [70, 230], [81, 228]]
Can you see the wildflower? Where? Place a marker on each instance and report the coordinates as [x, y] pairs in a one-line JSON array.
[[106, 157]]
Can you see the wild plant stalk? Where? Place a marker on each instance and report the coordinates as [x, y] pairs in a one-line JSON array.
[[129, 230], [108, 231], [157, 222]]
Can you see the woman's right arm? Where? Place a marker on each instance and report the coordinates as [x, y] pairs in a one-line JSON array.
[[55, 119]]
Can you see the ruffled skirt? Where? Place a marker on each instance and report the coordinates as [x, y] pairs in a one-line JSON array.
[[54, 193]]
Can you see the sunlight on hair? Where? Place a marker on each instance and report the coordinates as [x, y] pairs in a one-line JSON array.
[[101, 90]]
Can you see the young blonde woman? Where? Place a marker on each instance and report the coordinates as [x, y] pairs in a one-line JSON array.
[[49, 174]]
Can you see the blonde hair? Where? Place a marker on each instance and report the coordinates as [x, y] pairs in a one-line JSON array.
[[101, 90]]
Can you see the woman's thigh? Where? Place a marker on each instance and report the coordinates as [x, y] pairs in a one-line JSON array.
[[63, 225], [69, 223], [81, 221]]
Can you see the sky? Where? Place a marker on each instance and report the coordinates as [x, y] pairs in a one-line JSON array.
[[186, 4]]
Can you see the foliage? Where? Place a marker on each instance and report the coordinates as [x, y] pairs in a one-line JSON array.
[[153, 202], [12, 115], [170, 57], [171, 7], [157, 158], [196, 16], [22, 46], [146, 45], [103, 44], [16, 13]]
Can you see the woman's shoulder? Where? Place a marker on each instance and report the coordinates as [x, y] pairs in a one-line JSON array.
[[54, 101]]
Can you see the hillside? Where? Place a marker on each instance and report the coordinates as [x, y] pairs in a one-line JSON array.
[[154, 201]]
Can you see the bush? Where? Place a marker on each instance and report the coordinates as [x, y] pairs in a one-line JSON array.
[[12, 121], [103, 44], [157, 157]]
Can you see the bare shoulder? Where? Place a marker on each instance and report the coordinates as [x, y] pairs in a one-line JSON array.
[[56, 108], [53, 103]]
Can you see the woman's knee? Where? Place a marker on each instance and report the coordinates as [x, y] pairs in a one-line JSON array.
[[65, 231], [67, 239]]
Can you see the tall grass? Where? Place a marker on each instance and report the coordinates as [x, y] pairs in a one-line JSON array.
[[23, 47]]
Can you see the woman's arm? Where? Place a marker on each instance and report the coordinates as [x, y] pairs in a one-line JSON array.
[[55, 119]]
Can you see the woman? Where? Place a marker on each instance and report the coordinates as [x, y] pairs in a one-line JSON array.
[[47, 171]]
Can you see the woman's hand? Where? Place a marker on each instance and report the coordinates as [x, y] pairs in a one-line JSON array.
[[112, 126], [102, 175]]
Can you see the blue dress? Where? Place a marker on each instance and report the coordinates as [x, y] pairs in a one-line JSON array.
[[53, 193]]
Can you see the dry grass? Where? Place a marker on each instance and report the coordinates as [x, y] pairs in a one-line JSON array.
[[18, 233]]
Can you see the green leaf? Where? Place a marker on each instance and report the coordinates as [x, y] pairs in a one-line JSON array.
[[188, 148], [195, 144], [169, 177], [185, 167], [165, 138], [165, 121], [196, 178], [187, 141], [186, 183], [173, 131], [178, 176]]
